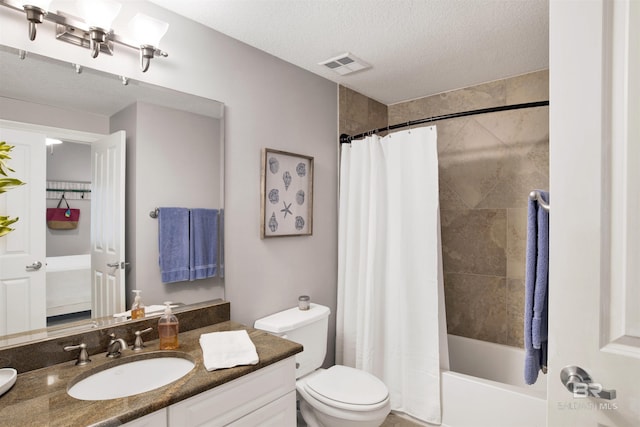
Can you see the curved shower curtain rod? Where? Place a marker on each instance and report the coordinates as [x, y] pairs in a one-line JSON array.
[[345, 139]]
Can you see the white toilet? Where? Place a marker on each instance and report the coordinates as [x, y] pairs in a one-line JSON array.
[[336, 397]]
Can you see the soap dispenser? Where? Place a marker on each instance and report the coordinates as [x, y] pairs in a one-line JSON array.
[[137, 308], [168, 329]]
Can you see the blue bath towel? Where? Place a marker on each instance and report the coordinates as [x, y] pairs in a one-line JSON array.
[[203, 261], [173, 244], [221, 244], [539, 330], [536, 286]]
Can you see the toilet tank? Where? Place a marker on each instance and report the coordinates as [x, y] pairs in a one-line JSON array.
[[306, 327]]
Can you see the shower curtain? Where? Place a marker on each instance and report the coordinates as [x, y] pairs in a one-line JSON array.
[[389, 320]]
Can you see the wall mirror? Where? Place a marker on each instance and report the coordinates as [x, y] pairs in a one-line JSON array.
[[81, 107]]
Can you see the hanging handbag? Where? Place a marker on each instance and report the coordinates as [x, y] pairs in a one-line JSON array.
[[62, 218]]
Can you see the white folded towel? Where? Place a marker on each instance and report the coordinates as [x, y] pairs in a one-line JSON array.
[[227, 349]]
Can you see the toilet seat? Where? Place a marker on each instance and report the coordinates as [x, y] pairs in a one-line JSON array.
[[348, 388]]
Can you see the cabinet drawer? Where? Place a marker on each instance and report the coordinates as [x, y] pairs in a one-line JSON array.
[[231, 401], [281, 413]]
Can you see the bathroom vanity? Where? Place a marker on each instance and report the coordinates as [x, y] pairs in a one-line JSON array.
[[262, 394], [266, 397]]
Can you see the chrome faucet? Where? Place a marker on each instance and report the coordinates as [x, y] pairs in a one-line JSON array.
[[83, 356], [139, 344], [116, 345]]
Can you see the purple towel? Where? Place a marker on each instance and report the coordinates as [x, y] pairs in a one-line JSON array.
[[536, 285]]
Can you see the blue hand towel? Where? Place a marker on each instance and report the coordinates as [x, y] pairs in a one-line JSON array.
[[203, 262], [173, 244], [536, 285]]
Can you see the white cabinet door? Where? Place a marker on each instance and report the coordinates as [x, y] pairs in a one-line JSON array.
[[232, 401], [594, 276], [281, 413], [23, 302]]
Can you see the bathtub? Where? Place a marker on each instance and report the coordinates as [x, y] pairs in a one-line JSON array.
[[68, 284], [485, 387]]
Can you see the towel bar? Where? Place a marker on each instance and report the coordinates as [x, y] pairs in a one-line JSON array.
[[535, 195], [154, 213]]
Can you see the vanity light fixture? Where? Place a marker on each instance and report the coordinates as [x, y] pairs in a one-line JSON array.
[[35, 11], [148, 32], [99, 15], [94, 29]]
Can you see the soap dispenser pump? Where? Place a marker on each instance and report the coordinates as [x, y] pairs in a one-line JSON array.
[[168, 329], [137, 308]]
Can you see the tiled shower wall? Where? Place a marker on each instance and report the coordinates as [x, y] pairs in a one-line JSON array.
[[488, 164]]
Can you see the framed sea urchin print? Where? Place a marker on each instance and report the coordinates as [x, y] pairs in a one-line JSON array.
[[287, 194]]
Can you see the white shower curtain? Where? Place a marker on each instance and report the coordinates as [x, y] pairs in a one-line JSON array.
[[389, 267]]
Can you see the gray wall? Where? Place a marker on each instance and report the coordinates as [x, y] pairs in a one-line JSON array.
[[269, 103]]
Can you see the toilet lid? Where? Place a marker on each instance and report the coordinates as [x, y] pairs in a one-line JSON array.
[[348, 385]]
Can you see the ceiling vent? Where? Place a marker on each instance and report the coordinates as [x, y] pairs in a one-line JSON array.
[[345, 64]]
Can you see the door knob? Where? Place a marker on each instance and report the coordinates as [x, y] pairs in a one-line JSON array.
[[34, 267], [579, 382]]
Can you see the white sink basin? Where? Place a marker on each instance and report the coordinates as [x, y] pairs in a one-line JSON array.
[[7, 379], [131, 375]]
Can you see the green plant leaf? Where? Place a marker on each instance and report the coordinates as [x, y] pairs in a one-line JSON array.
[[4, 155], [9, 183], [5, 185], [5, 222], [5, 230]]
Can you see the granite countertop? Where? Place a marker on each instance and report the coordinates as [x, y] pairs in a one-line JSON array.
[[39, 397]]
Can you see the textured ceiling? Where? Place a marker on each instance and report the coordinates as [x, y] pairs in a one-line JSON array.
[[416, 47]]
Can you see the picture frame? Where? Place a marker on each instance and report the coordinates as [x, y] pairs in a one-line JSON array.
[[286, 195]]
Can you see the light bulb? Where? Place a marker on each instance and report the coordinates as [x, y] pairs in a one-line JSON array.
[[99, 13], [147, 30]]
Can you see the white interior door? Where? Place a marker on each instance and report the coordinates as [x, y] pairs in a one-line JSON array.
[[22, 252], [107, 225], [594, 295]]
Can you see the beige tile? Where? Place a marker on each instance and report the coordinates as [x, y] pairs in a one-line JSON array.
[[476, 306], [448, 131], [471, 98], [474, 241], [351, 127], [475, 97], [472, 164], [516, 242], [377, 115], [357, 107], [408, 111], [449, 200], [515, 312], [522, 128], [528, 87]]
